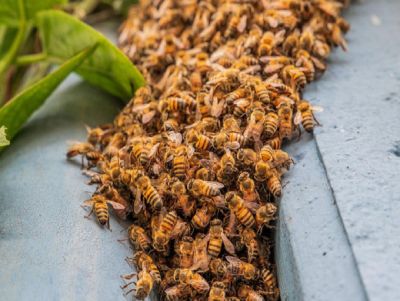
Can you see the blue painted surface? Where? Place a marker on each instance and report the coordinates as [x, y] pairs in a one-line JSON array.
[[48, 250], [357, 224], [339, 227]]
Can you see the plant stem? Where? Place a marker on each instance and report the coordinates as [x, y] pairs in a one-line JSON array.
[[30, 58], [9, 57]]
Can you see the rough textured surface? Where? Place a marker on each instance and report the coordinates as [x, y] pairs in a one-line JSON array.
[[48, 251], [359, 148], [313, 252]]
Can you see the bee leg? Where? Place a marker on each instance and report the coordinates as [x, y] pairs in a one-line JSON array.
[[108, 225], [316, 120], [128, 284], [90, 213], [299, 133], [128, 276], [130, 291], [121, 241]]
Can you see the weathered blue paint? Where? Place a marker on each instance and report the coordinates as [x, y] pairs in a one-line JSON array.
[[48, 250], [359, 150]]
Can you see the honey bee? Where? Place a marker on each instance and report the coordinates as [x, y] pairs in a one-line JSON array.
[[218, 267], [240, 93], [247, 187], [239, 208], [179, 162], [217, 292], [245, 292], [151, 195], [270, 283], [203, 215], [282, 159], [205, 174], [271, 124], [87, 150], [139, 238], [185, 252], [202, 63], [248, 237], [275, 142], [305, 61], [266, 44], [227, 170], [186, 204], [306, 116], [96, 135], [100, 207], [171, 125], [114, 195], [246, 157], [265, 214], [267, 153], [294, 77], [201, 258], [204, 188], [263, 170], [180, 103], [162, 235], [177, 292], [240, 107], [291, 43], [201, 142], [117, 141], [145, 262], [274, 183], [195, 280], [216, 238], [144, 284], [285, 113], [238, 267], [255, 127], [196, 81]]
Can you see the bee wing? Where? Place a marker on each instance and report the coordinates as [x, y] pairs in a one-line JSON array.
[[318, 63], [252, 206], [233, 145], [138, 203], [178, 229], [175, 137], [232, 259], [317, 109], [242, 24], [217, 107], [216, 185], [88, 203], [193, 125], [229, 247], [153, 150], [115, 205], [272, 68], [191, 151], [297, 118], [219, 201], [241, 102], [140, 108], [146, 118], [205, 240]]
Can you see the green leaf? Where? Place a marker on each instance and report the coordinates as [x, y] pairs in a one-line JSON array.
[[3, 137], [108, 68], [14, 114], [7, 36], [10, 14]]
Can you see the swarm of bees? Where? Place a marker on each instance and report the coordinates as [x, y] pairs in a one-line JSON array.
[[194, 160]]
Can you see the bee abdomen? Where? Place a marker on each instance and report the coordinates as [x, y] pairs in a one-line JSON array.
[[101, 211], [203, 143], [214, 247], [307, 122], [169, 222], [274, 186], [153, 198], [179, 168], [245, 217]]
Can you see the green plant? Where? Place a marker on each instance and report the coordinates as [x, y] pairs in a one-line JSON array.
[[65, 41]]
